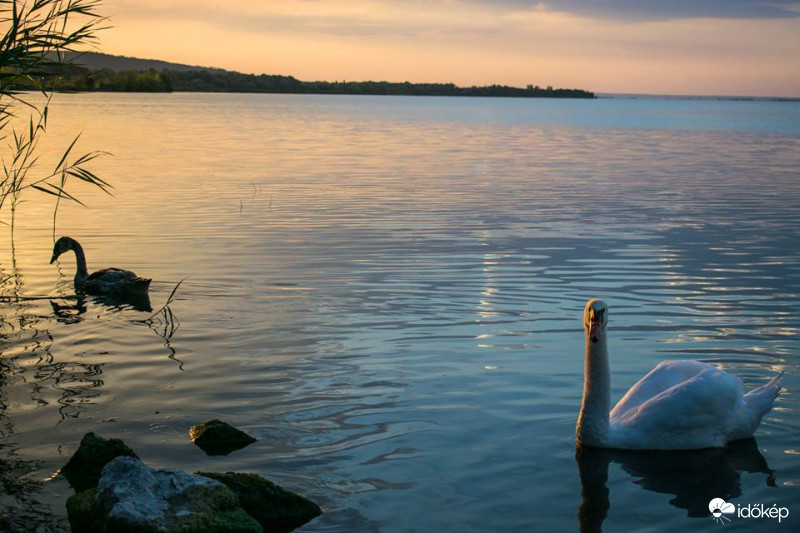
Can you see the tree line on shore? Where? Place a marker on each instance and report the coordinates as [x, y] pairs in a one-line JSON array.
[[71, 77]]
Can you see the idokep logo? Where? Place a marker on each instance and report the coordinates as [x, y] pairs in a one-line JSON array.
[[719, 508]]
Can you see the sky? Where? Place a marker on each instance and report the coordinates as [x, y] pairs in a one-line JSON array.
[[702, 47]]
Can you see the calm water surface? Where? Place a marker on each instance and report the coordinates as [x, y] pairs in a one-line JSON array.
[[387, 293]]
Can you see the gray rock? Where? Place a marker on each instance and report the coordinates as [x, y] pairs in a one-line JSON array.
[[131, 492], [132, 497]]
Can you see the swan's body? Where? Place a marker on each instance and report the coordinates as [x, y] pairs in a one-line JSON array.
[[106, 281], [679, 405]]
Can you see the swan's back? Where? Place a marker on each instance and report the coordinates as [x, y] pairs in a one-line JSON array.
[[692, 414], [116, 281], [688, 405], [665, 375]]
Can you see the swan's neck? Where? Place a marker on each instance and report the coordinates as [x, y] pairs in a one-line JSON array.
[[593, 427], [80, 258]]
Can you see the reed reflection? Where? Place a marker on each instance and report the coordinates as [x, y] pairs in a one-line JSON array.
[[694, 477], [33, 382], [20, 508]]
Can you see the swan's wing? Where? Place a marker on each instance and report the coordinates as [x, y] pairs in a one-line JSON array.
[[112, 275], [695, 413], [115, 280], [665, 375]]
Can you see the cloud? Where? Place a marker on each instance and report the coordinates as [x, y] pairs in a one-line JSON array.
[[342, 18], [430, 18], [653, 10], [670, 46]]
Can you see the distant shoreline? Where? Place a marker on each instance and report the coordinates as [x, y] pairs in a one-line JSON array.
[[96, 72], [71, 78], [637, 96]]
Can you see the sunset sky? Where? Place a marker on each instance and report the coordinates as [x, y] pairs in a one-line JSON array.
[[720, 47]]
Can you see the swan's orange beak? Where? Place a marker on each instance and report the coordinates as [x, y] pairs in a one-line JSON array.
[[595, 319], [595, 328], [594, 331]]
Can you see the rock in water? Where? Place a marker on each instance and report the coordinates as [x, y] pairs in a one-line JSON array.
[[215, 437], [84, 516], [94, 452], [130, 497], [275, 508]]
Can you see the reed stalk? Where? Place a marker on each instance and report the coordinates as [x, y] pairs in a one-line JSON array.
[[36, 34]]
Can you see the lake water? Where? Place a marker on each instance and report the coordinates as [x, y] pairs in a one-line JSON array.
[[387, 293]]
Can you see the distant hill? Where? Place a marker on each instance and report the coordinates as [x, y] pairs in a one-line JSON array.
[[93, 71], [98, 61]]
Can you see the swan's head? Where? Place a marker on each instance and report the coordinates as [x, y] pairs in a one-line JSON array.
[[595, 318], [62, 245]]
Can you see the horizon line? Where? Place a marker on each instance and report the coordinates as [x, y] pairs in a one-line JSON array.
[[598, 94]]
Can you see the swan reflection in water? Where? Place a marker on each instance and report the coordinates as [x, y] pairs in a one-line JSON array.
[[71, 312], [163, 322], [694, 477]]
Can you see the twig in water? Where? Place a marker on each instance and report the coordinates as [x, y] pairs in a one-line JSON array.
[[165, 307], [164, 323], [171, 325]]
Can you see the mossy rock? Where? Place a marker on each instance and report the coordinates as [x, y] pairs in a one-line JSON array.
[[86, 517], [275, 508], [131, 498], [216, 437], [83, 514], [225, 521], [94, 452]]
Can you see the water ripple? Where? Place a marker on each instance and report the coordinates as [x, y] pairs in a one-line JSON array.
[[391, 305]]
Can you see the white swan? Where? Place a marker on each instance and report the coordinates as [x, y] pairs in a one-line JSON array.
[[679, 405], [106, 281]]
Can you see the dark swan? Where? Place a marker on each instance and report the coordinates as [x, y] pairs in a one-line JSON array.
[[106, 281]]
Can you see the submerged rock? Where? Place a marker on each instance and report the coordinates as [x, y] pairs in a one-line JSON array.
[[275, 508], [94, 452], [130, 497], [216, 437]]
